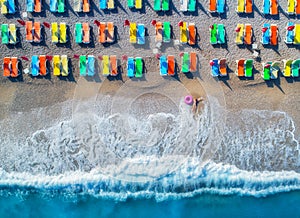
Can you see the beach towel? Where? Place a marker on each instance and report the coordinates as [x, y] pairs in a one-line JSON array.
[[166, 32], [222, 67], [113, 65], [240, 69], [53, 5], [249, 68], [43, 65], [12, 34], [183, 33], [221, 34], [34, 65], [4, 34], [192, 34], [14, 67], [213, 34], [91, 65], [163, 65], [193, 62], [132, 33], [130, 67], [171, 65], [6, 66], [82, 65], [249, 6], [265, 34], [140, 34], [29, 5], [63, 33], [64, 65], [215, 67], [110, 34], [54, 32], [185, 62], [287, 72], [105, 65], [56, 65], [138, 67]]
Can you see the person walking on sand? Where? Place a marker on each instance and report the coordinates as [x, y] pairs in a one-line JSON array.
[[196, 101]]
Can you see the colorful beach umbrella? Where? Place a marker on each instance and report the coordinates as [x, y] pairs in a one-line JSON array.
[[24, 58], [157, 56], [22, 22], [126, 23], [96, 22], [76, 56], [46, 24], [49, 57], [180, 23], [238, 29], [124, 57], [211, 63], [264, 29], [100, 57], [153, 22], [290, 28]]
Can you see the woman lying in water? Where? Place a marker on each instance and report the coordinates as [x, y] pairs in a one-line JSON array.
[[196, 101]]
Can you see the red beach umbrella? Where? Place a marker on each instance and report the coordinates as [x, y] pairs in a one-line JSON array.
[[264, 29], [76, 56], [153, 22], [49, 57], [157, 56], [22, 22], [290, 28], [181, 54], [268, 65], [180, 23], [238, 29], [211, 63], [124, 57], [100, 57], [211, 27], [24, 58], [126, 23], [46, 24], [96, 22]]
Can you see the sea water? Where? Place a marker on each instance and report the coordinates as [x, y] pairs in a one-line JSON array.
[[220, 163]]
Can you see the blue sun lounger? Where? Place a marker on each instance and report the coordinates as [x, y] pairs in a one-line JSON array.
[[103, 4], [34, 65], [29, 5], [221, 6], [215, 68], [130, 67], [140, 34], [11, 6], [265, 39], [163, 65], [91, 65], [53, 5], [290, 34], [266, 7]]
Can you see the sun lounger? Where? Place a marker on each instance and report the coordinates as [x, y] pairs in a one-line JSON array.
[[91, 65], [105, 65], [102, 34], [103, 4], [85, 6], [11, 6], [239, 39], [4, 34], [82, 65], [291, 7], [221, 34], [183, 33], [12, 34], [193, 62], [274, 7], [61, 6], [214, 67], [213, 34], [138, 67], [37, 32], [113, 65], [240, 6], [249, 68], [86, 33], [14, 67], [222, 67], [297, 34], [138, 4], [192, 5], [54, 32], [77, 5], [130, 67], [42, 65], [140, 34], [56, 65], [266, 7], [287, 72], [171, 65], [240, 69], [29, 28], [4, 9], [192, 34], [183, 5], [165, 5], [158, 32], [110, 36], [132, 33], [265, 39], [29, 5], [64, 65], [212, 5], [78, 33], [130, 3], [274, 35], [37, 6], [295, 68], [297, 7], [166, 32], [6, 66], [110, 4], [53, 5], [275, 70], [35, 65], [249, 6], [221, 6], [266, 75], [163, 65], [185, 63], [63, 33], [157, 5], [248, 34]]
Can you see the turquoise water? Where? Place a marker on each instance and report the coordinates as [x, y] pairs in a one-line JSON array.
[[207, 205]]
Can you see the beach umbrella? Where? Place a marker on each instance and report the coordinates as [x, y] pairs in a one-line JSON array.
[[124, 57], [22, 22], [153, 22], [100, 57], [157, 56], [211, 26], [126, 23], [211, 63], [181, 54], [46, 24], [180, 23], [290, 28], [264, 29], [238, 29], [49, 57], [96, 22], [268, 65], [24, 58], [76, 56]]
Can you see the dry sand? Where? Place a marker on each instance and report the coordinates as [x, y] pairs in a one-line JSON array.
[[27, 93]]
